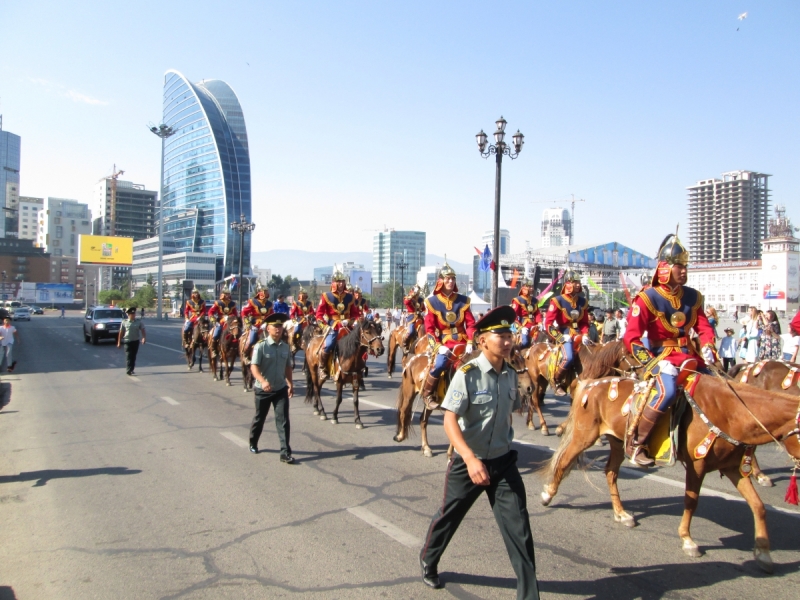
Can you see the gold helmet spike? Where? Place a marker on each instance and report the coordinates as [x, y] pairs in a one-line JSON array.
[[338, 276], [672, 251]]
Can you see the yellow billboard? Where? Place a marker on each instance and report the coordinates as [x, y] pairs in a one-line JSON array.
[[105, 250]]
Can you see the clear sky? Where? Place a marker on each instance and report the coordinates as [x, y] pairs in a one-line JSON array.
[[363, 114]]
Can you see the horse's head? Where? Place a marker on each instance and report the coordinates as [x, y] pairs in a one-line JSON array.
[[234, 327], [371, 337]]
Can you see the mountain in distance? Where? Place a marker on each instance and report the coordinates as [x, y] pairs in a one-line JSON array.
[[301, 263]]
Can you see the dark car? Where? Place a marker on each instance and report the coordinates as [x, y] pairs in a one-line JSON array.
[[102, 322], [36, 310]]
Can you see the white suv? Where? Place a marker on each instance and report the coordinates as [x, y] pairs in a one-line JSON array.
[[102, 322]]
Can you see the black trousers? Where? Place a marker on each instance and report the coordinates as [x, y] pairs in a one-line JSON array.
[[727, 363], [506, 493], [131, 350], [264, 400]]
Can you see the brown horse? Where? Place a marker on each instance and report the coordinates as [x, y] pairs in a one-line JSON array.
[[246, 356], [396, 342], [771, 375], [348, 365], [229, 348], [199, 340], [732, 407], [414, 374]]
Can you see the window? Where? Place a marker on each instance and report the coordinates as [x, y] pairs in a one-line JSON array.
[[731, 297], [57, 220]]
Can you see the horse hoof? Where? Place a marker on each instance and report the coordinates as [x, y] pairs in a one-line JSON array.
[[228, 383], [764, 560], [764, 481], [427, 452], [316, 412], [530, 426], [691, 549], [245, 390], [546, 498], [397, 439], [334, 421], [323, 417], [559, 430], [359, 426], [625, 519], [389, 375], [544, 430]]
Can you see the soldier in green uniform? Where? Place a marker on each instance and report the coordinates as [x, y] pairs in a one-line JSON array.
[[477, 421]]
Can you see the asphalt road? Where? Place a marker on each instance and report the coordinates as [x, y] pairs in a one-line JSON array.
[[143, 487]]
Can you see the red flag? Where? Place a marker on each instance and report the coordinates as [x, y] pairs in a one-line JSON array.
[[514, 278], [493, 266], [625, 288], [478, 251]]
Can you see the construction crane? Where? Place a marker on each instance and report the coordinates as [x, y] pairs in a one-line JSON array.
[[114, 176], [572, 215]]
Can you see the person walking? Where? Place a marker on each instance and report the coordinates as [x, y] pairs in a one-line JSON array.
[[611, 330], [62, 312], [271, 367], [477, 421], [622, 323], [9, 336], [727, 350], [131, 333]]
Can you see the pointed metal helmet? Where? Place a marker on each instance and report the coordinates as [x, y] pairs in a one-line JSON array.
[[527, 283], [446, 271], [672, 251], [302, 291], [225, 290], [259, 287], [349, 288], [195, 291], [338, 276], [570, 275], [357, 289]]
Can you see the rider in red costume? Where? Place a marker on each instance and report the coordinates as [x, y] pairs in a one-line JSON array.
[[360, 302], [301, 310], [448, 322], [336, 309], [222, 308], [566, 320], [667, 310], [195, 308], [415, 310], [257, 309], [527, 310]]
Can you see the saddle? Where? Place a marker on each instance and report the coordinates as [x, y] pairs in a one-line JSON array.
[[333, 357], [454, 362]]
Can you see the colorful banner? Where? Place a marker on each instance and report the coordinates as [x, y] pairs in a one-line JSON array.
[[105, 250]]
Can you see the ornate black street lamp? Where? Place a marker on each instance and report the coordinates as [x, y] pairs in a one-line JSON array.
[[163, 131], [499, 149], [242, 227]]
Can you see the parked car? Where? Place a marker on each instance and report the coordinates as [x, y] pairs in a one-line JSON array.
[[22, 313], [102, 322], [36, 310]]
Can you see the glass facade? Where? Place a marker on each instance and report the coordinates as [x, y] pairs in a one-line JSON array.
[[389, 248], [9, 181], [206, 170]]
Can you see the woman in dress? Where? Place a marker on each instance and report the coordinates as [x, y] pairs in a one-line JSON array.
[[752, 334], [711, 313], [770, 346]]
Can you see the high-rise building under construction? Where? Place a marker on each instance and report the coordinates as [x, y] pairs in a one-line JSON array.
[[728, 217]]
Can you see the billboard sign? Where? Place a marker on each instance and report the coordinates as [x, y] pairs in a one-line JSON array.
[[55, 293], [105, 250]]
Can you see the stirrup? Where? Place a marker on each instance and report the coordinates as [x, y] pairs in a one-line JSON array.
[[640, 458], [430, 402]]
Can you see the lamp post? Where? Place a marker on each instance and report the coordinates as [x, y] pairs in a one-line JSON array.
[[163, 131], [242, 227], [499, 149]]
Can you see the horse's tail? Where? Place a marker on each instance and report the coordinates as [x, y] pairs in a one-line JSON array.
[[309, 383], [406, 395], [548, 471]]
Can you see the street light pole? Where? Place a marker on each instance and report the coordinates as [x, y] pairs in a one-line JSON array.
[[499, 149], [163, 131], [242, 227]]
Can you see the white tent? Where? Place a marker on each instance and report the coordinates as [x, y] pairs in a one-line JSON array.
[[477, 304]]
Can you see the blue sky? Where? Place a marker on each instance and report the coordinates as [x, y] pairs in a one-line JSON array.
[[363, 114]]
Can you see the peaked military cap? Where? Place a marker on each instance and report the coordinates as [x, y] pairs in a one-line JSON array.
[[498, 320], [276, 319]]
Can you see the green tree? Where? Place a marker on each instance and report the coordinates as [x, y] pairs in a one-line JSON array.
[[390, 296], [145, 297], [313, 293], [107, 296], [150, 279]]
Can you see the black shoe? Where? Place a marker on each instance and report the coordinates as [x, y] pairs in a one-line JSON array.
[[128, 373], [13, 364], [430, 575], [253, 449], [287, 459]]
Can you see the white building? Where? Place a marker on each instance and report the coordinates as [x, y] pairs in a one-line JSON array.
[[347, 268], [263, 276], [505, 242], [199, 267], [62, 222], [28, 218], [556, 227]]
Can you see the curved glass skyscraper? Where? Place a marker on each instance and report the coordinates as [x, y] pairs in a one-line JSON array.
[[206, 170]]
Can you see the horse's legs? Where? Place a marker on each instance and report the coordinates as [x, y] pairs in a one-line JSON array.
[[537, 399], [695, 473], [390, 356], [615, 459], [762, 479], [749, 493], [423, 431], [339, 390], [578, 440], [359, 424]]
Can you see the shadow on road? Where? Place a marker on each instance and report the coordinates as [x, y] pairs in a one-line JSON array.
[[42, 477], [7, 593]]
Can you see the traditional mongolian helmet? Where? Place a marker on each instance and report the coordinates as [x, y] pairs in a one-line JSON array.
[[670, 252], [225, 290], [195, 291], [260, 288], [302, 292], [445, 271], [570, 279], [526, 282], [356, 290], [349, 288], [338, 276]]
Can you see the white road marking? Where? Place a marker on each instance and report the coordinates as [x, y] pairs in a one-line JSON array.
[[375, 404], [235, 439], [169, 400], [164, 348], [705, 491], [96, 355], [133, 378], [112, 365], [392, 531]]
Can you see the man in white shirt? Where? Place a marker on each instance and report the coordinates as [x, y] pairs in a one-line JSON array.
[[9, 336], [623, 324]]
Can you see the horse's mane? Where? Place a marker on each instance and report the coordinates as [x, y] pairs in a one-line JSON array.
[[734, 370], [603, 362], [308, 333], [349, 344]]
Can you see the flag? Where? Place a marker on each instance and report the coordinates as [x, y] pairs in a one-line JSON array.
[[595, 286], [544, 293], [233, 283], [486, 260], [543, 298], [625, 287], [478, 251], [514, 278]]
